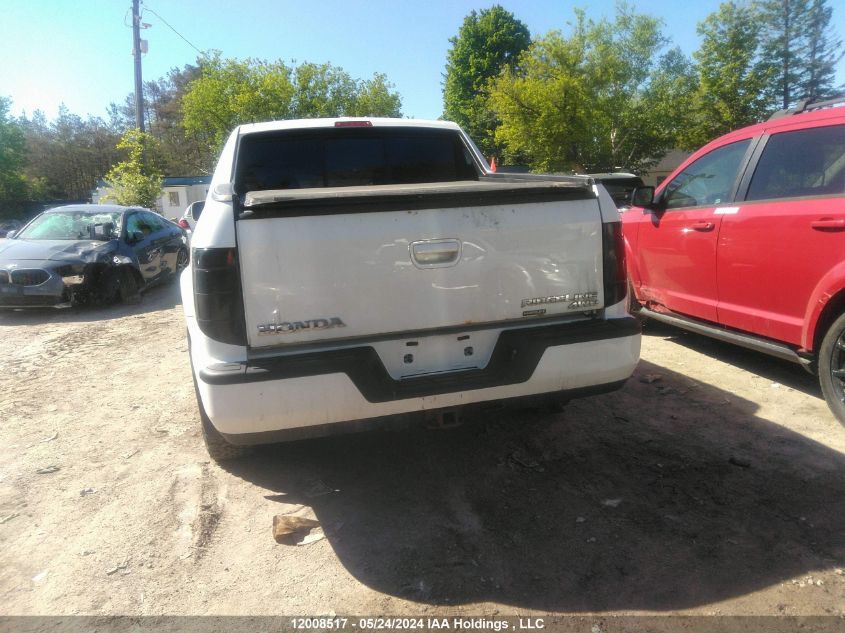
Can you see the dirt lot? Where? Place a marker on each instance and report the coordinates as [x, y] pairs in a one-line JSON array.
[[714, 482]]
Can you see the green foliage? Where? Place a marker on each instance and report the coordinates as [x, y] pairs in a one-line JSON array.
[[822, 53], [13, 185], [135, 181], [784, 26], [734, 83], [66, 157], [230, 92], [799, 48], [487, 43], [602, 98], [375, 97]]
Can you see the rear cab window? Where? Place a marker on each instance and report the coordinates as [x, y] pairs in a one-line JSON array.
[[332, 157]]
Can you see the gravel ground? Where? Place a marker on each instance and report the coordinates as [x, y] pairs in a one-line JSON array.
[[712, 483]]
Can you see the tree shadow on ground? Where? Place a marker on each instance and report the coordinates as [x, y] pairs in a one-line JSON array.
[[661, 496]]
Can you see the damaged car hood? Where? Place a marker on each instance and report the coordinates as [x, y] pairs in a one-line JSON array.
[[53, 250]]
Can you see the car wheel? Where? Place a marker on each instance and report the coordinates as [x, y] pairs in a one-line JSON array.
[[182, 260], [831, 367], [107, 291], [128, 286]]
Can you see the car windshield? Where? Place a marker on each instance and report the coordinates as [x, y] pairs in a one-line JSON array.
[[73, 225]]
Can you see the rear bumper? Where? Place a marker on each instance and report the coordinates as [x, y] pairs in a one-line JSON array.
[[248, 401]]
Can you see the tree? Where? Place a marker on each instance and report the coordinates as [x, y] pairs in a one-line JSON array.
[[822, 53], [180, 154], [783, 38], [13, 186], [487, 43], [801, 49], [604, 97], [68, 155], [734, 84], [375, 97], [230, 92], [137, 179]]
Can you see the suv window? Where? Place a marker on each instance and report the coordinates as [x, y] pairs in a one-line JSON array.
[[708, 180], [348, 157], [801, 163]]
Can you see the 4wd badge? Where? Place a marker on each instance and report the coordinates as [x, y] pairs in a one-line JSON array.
[[574, 300]]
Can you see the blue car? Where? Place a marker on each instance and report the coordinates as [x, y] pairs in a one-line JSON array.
[[88, 254]]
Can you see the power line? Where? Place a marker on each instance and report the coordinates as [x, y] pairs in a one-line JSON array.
[[167, 24]]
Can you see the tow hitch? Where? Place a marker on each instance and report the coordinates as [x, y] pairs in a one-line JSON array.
[[441, 420]]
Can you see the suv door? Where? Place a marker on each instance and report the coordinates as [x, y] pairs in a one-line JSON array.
[[786, 235], [676, 244]]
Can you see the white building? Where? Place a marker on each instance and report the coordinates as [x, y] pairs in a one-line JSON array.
[[180, 191], [177, 192]]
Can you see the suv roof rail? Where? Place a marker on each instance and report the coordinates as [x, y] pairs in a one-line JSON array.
[[806, 105]]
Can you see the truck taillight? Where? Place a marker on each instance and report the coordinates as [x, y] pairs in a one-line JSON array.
[[615, 273], [218, 300]]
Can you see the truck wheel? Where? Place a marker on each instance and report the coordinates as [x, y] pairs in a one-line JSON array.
[[218, 448], [831, 367]]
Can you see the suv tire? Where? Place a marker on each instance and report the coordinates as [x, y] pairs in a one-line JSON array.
[[831, 367]]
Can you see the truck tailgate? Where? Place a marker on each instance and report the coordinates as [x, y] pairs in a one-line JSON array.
[[358, 262]]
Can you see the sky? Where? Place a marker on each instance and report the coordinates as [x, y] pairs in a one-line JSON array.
[[79, 52]]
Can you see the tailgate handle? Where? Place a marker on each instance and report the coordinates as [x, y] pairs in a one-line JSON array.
[[829, 224], [435, 253]]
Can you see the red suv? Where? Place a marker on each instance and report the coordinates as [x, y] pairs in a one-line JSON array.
[[745, 242]]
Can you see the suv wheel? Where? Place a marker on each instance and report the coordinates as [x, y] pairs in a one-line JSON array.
[[831, 367], [634, 305]]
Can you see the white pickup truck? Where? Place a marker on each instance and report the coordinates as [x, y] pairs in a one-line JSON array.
[[353, 270]]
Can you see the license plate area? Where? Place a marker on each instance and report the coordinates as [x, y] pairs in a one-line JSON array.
[[418, 356]]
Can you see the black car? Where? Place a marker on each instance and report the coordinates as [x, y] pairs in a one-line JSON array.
[[80, 254]]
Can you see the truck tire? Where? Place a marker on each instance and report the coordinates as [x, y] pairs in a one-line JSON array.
[[831, 367], [218, 448]]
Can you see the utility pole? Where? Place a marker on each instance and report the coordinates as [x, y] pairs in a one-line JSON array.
[[136, 53]]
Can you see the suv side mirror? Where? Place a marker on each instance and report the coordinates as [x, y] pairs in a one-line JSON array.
[[643, 197], [11, 234], [196, 209]]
